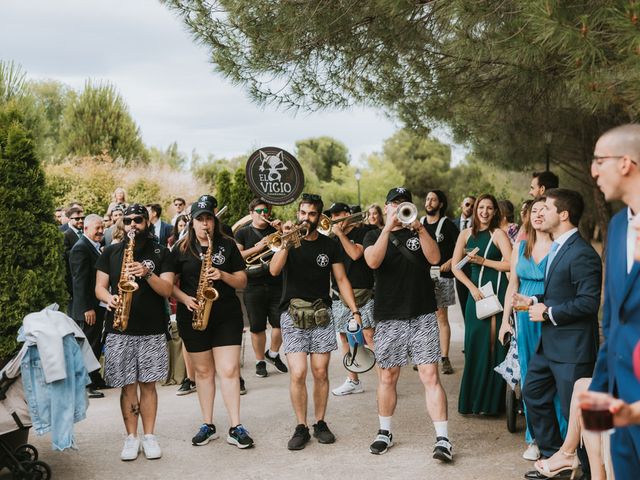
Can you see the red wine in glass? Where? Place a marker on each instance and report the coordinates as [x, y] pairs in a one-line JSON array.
[[597, 417]]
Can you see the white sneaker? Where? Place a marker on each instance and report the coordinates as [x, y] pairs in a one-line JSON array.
[[348, 387], [130, 449], [532, 452], [151, 447]]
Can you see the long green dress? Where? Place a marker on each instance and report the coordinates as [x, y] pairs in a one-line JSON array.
[[482, 390]]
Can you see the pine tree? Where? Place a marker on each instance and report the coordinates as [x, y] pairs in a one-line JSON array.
[[223, 188], [241, 195], [31, 266]]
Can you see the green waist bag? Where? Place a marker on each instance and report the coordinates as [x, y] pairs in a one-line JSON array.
[[362, 296], [308, 314]]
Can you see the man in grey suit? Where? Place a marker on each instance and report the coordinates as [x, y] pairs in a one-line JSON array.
[[568, 311]]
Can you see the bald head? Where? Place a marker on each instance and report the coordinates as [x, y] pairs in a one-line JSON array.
[[623, 140]]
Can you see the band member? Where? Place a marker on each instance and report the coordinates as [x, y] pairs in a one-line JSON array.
[[263, 292], [406, 323], [445, 233], [350, 236], [136, 358], [215, 348], [307, 326]]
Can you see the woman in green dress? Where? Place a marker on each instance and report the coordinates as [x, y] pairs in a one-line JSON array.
[[482, 390]]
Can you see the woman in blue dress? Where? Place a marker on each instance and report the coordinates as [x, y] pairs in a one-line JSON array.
[[528, 267]]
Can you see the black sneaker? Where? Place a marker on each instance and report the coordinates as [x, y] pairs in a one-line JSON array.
[[442, 450], [322, 433], [300, 438], [186, 388], [261, 369], [239, 437], [243, 388], [207, 432], [382, 443], [276, 362]]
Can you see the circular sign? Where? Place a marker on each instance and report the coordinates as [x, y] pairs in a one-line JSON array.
[[274, 175]]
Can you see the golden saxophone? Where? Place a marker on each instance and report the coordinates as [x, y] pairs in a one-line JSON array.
[[126, 286], [206, 294]]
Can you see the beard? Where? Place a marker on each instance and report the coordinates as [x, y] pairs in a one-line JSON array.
[[312, 226], [433, 212]]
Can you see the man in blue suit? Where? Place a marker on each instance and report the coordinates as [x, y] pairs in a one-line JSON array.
[[568, 310], [615, 169], [160, 229]]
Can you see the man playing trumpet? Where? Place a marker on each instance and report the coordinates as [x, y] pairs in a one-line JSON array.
[[401, 255], [263, 292], [306, 321]]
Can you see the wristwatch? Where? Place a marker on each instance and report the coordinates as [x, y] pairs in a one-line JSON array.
[[545, 314]]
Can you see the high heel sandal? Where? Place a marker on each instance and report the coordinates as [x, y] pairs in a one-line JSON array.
[[543, 469]]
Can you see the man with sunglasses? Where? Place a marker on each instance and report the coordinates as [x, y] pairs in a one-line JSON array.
[[70, 237], [306, 321], [179, 205], [464, 221], [262, 295], [406, 322], [136, 358]]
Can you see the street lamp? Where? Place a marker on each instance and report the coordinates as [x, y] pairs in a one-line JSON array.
[[548, 136], [358, 177]]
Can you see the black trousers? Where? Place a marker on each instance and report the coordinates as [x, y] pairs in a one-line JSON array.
[[544, 378], [95, 339]]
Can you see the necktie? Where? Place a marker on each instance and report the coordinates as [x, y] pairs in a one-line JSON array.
[[552, 255], [79, 232]]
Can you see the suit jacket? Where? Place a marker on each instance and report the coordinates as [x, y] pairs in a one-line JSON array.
[[70, 238], [165, 232], [620, 319], [572, 288], [458, 223], [82, 262]]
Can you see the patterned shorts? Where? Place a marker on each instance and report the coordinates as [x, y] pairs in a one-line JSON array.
[[342, 315], [445, 292], [135, 358], [417, 338], [310, 340]]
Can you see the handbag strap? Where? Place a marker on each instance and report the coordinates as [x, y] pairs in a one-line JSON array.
[[486, 251], [405, 252]]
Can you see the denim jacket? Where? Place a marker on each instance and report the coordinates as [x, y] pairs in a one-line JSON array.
[[56, 406]]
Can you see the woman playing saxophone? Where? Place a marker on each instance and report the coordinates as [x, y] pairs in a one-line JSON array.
[[213, 345]]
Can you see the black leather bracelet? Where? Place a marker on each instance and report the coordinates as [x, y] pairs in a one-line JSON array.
[[357, 312]]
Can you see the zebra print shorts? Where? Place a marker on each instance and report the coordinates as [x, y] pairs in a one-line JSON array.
[[417, 338], [135, 358], [445, 292], [342, 315], [310, 340]]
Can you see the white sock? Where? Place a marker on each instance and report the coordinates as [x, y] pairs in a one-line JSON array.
[[273, 354], [385, 423], [442, 429], [355, 382]]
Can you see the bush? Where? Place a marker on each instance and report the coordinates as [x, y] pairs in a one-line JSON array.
[[31, 267]]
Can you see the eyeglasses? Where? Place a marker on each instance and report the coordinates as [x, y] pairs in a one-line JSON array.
[[138, 220], [311, 197], [599, 160], [468, 204], [77, 218], [261, 210]]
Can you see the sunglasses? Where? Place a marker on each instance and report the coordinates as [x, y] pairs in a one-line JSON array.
[[311, 197], [262, 210], [77, 218], [468, 204], [138, 220], [178, 204]]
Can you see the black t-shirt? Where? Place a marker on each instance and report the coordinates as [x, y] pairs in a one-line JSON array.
[[358, 272], [149, 314], [307, 273], [227, 258], [248, 236], [447, 243], [403, 288]]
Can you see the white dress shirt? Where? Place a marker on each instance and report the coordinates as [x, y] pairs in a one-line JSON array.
[[631, 241]]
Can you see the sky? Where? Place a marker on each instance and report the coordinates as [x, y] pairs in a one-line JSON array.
[[173, 92]]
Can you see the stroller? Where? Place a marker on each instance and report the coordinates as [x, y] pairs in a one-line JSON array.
[[15, 454]]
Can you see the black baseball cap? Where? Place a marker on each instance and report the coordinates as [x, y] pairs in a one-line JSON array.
[[399, 192], [338, 208], [207, 198], [200, 207]]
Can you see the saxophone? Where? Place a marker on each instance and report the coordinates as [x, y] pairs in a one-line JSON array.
[[206, 294], [126, 287]]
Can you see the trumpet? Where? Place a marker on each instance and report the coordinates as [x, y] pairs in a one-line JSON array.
[[277, 241], [406, 213], [325, 223]]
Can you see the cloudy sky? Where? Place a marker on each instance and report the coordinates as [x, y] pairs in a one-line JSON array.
[[173, 93]]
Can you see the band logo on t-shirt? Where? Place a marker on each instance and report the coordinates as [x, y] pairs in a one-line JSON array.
[[413, 244], [322, 260]]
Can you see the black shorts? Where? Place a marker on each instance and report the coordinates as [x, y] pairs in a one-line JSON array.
[[262, 304], [222, 330]]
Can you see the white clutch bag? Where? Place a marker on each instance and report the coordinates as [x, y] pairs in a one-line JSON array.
[[489, 305]]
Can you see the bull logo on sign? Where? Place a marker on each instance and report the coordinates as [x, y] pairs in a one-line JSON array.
[[273, 165]]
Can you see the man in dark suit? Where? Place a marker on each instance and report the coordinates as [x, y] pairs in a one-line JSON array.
[[86, 309], [74, 230], [615, 168], [568, 310], [465, 220], [162, 230]]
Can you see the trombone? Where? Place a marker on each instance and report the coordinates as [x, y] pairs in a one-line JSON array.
[[325, 223], [276, 242]]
